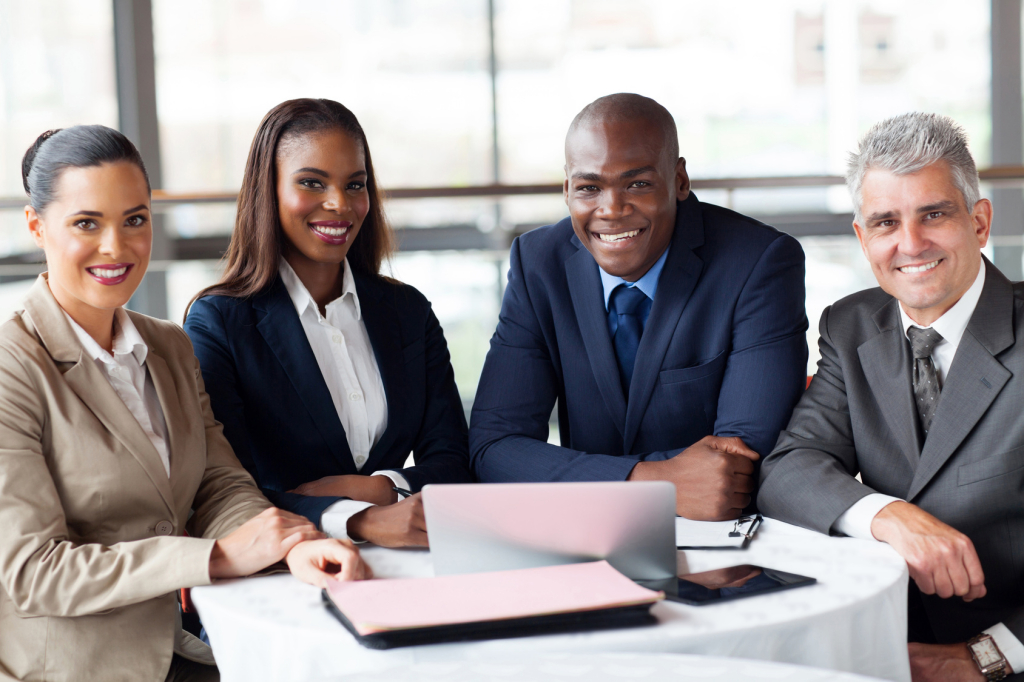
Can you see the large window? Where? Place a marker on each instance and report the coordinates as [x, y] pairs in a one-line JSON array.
[[414, 72], [56, 70], [757, 89]]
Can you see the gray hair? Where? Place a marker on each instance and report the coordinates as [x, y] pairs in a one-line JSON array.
[[906, 144]]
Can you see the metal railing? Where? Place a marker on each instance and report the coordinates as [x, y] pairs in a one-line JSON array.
[[997, 176], [468, 237]]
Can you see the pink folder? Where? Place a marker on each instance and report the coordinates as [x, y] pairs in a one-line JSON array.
[[374, 606]]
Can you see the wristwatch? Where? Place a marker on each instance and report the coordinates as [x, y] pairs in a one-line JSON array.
[[987, 655]]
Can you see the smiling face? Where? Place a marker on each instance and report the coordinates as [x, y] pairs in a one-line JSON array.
[[321, 195], [97, 237], [621, 187], [923, 243]]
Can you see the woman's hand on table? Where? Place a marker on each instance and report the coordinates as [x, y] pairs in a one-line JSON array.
[[397, 525], [261, 541], [373, 489], [317, 561]]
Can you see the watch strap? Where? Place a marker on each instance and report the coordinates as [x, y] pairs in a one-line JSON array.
[[995, 671]]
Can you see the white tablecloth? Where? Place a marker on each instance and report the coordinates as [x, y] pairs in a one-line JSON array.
[[607, 668], [853, 620]]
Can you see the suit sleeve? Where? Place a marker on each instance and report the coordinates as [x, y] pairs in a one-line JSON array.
[[517, 391], [766, 370], [43, 571], [227, 496], [441, 451], [808, 480], [209, 334]]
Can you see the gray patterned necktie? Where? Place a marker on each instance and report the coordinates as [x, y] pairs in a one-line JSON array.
[[926, 381]]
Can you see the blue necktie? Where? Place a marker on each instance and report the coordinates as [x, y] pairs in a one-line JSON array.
[[627, 303]]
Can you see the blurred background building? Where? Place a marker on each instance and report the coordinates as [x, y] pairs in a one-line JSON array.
[[466, 103]]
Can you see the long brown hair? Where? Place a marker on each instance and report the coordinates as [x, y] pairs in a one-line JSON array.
[[254, 253]]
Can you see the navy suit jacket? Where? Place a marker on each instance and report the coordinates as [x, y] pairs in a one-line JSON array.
[[723, 352], [267, 389]]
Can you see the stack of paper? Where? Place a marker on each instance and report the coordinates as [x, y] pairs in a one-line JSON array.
[[716, 534]]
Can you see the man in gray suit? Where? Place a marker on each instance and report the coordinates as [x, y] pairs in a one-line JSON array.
[[920, 390]]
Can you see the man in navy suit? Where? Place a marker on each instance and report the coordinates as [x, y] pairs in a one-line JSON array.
[[670, 332]]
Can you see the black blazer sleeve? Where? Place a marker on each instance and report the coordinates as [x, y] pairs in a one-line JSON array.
[[440, 447], [205, 326]]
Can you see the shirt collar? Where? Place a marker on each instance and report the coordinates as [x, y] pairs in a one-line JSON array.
[[647, 284], [127, 339], [302, 299], [953, 323]]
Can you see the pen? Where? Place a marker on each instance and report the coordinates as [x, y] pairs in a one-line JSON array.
[[402, 491]]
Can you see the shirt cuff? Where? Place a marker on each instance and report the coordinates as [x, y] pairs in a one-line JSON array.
[[1009, 646], [856, 521], [396, 478], [334, 520]]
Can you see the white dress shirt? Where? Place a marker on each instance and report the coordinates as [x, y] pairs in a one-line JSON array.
[[126, 371], [856, 521], [345, 356]]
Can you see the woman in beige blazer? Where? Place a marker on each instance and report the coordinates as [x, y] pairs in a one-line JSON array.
[[109, 452]]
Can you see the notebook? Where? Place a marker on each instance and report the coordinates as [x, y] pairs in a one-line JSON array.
[[574, 597]]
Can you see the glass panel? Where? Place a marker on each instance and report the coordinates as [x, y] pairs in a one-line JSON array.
[[56, 70], [756, 88], [415, 72]]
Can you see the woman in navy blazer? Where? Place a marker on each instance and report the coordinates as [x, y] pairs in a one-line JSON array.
[[302, 336]]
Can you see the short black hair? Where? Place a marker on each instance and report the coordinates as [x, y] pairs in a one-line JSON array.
[[75, 147], [627, 107]]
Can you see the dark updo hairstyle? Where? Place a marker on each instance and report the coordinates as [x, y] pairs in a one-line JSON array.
[[74, 147], [257, 243]]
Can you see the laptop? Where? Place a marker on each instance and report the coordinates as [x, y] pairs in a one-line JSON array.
[[475, 528]]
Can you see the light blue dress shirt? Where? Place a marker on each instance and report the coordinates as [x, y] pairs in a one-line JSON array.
[[647, 284]]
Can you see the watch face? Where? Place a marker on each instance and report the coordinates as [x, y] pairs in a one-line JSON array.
[[986, 652]]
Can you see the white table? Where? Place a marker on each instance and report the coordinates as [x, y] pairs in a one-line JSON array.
[[853, 620], [606, 668]]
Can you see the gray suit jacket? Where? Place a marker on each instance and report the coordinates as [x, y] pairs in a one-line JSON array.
[[858, 416]]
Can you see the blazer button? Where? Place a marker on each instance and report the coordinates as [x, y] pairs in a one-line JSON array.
[[164, 528]]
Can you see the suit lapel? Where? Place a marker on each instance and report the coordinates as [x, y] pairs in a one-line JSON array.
[[585, 288], [174, 418], [974, 380], [92, 388], [382, 326], [281, 328], [678, 279], [886, 361]]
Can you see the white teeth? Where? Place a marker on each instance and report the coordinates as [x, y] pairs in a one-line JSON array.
[[330, 231], [910, 269], [617, 237], [108, 273]]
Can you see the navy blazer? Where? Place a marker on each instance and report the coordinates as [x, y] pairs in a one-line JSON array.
[[266, 387], [724, 352]]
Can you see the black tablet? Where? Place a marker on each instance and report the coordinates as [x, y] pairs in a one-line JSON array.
[[726, 584]]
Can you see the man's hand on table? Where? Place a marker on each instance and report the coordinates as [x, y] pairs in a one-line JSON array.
[[398, 525], [317, 561], [941, 559], [713, 478], [943, 663], [373, 489]]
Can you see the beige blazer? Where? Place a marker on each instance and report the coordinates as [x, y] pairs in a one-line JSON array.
[[91, 528]]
